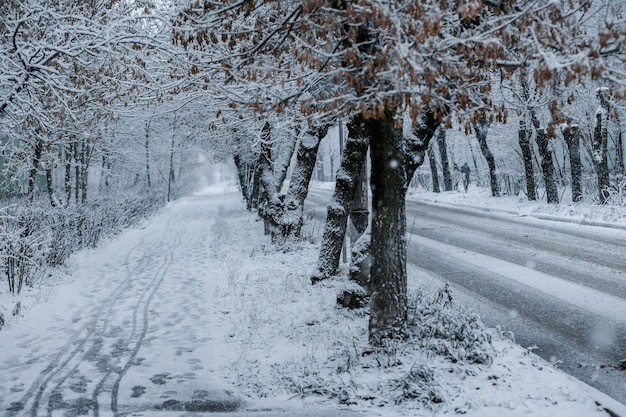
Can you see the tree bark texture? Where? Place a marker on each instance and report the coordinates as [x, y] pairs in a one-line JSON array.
[[352, 159], [243, 181], [482, 128], [68, 175], [293, 215], [35, 163], [527, 157], [433, 169], [443, 152], [547, 166], [417, 146], [572, 139], [600, 157], [270, 205], [388, 280]]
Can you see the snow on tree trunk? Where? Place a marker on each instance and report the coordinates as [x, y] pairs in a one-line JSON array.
[[417, 144], [270, 206], [547, 166], [443, 152], [35, 163], [284, 158], [243, 182], [482, 128], [337, 212], [388, 279], [432, 159], [527, 157], [292, 217], [415, 149], [600, 148], [572, 139]]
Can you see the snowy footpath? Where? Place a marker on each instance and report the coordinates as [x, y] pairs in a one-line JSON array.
[[196, 311]]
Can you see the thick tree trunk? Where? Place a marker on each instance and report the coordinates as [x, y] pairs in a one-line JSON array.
[[417, 146], [527, 157], [443, 152], [243, 181], [337, 213], [270, 205], [388, 280], [282, 165], [600, 150], [433, 169], [572, 139], [482, 128], [292, 218], [359, 212], [547, 166]]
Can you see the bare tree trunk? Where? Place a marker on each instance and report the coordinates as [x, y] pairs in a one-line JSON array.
[[417, 146], [77, 172], [293, 216], [280, 172], [337, 213], [482, 128], [621, 163], [572, 139], [388, 279], [170, 177], [270, 205], [600, 159], [243, 181], [68, 174], [32, 177], [547, 166], [50, 186], [527, 157], [600, 149], [433, 169], [84, 174], [443, 152], [147, 146]]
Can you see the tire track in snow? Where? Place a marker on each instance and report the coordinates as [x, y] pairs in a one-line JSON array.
[[68, 351], [74, 352]]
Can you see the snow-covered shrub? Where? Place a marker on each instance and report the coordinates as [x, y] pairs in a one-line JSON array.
[[32, 237], [22, 248], [617, 194], [447, 331], [418, 384]]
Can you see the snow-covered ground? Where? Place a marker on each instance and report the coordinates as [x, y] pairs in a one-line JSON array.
[[480, 198], [196, 308]]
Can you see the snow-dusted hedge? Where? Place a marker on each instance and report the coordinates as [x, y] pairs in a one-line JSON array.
[[34, 237]]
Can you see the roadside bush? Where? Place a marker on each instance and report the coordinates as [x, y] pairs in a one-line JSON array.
[[33, 237]]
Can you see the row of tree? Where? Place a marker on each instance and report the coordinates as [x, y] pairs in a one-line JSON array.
[[260, 80]]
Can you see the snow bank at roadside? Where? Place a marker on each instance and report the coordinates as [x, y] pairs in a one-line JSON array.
[[476, 197]]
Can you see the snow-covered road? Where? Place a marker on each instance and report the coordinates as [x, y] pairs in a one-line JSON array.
[[559, 286]]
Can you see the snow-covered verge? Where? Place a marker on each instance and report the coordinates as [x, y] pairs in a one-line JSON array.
[[613, 214], [276, 340]]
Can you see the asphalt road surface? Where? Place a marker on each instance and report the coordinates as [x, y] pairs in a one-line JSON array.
[[559, 287]]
